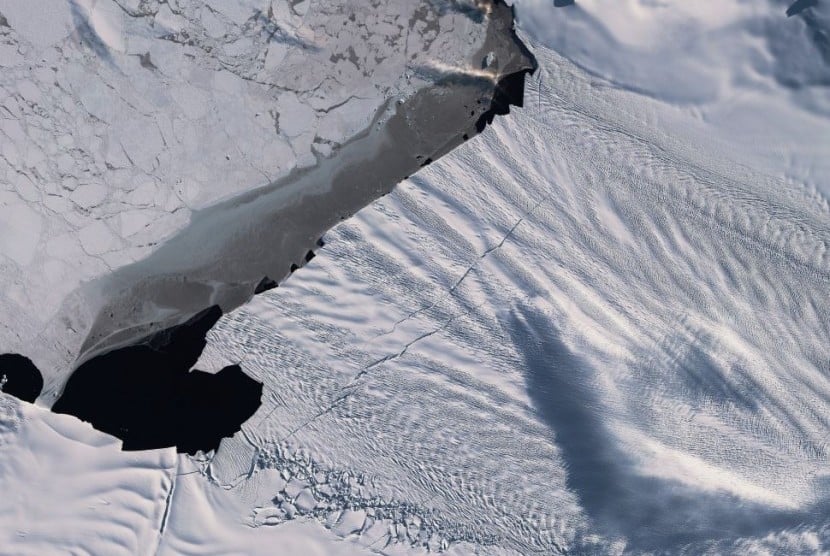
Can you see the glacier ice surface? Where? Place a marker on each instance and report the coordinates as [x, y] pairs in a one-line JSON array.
[[600, 327]]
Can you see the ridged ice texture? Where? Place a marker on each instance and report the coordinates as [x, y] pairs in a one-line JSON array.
[[580, 331]]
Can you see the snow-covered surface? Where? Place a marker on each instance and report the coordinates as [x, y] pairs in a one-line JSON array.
[[758, 79], [692, 52], [602, 326], [68, 489]]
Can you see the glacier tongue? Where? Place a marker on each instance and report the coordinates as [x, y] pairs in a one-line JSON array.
[[580, 332], [121, 121], [601, 327]]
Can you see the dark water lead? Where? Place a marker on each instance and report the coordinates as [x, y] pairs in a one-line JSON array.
[[147, 395], [19, 377]]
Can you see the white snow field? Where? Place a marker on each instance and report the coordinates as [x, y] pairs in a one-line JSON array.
[[68, 489], [601, 327]]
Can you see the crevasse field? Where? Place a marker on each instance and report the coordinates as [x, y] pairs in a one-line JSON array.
[[600, 327]]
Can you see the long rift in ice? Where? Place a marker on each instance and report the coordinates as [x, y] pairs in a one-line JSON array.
[[250, 243], [123, 123], [600, 328], [601, 335], [228, 249]]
